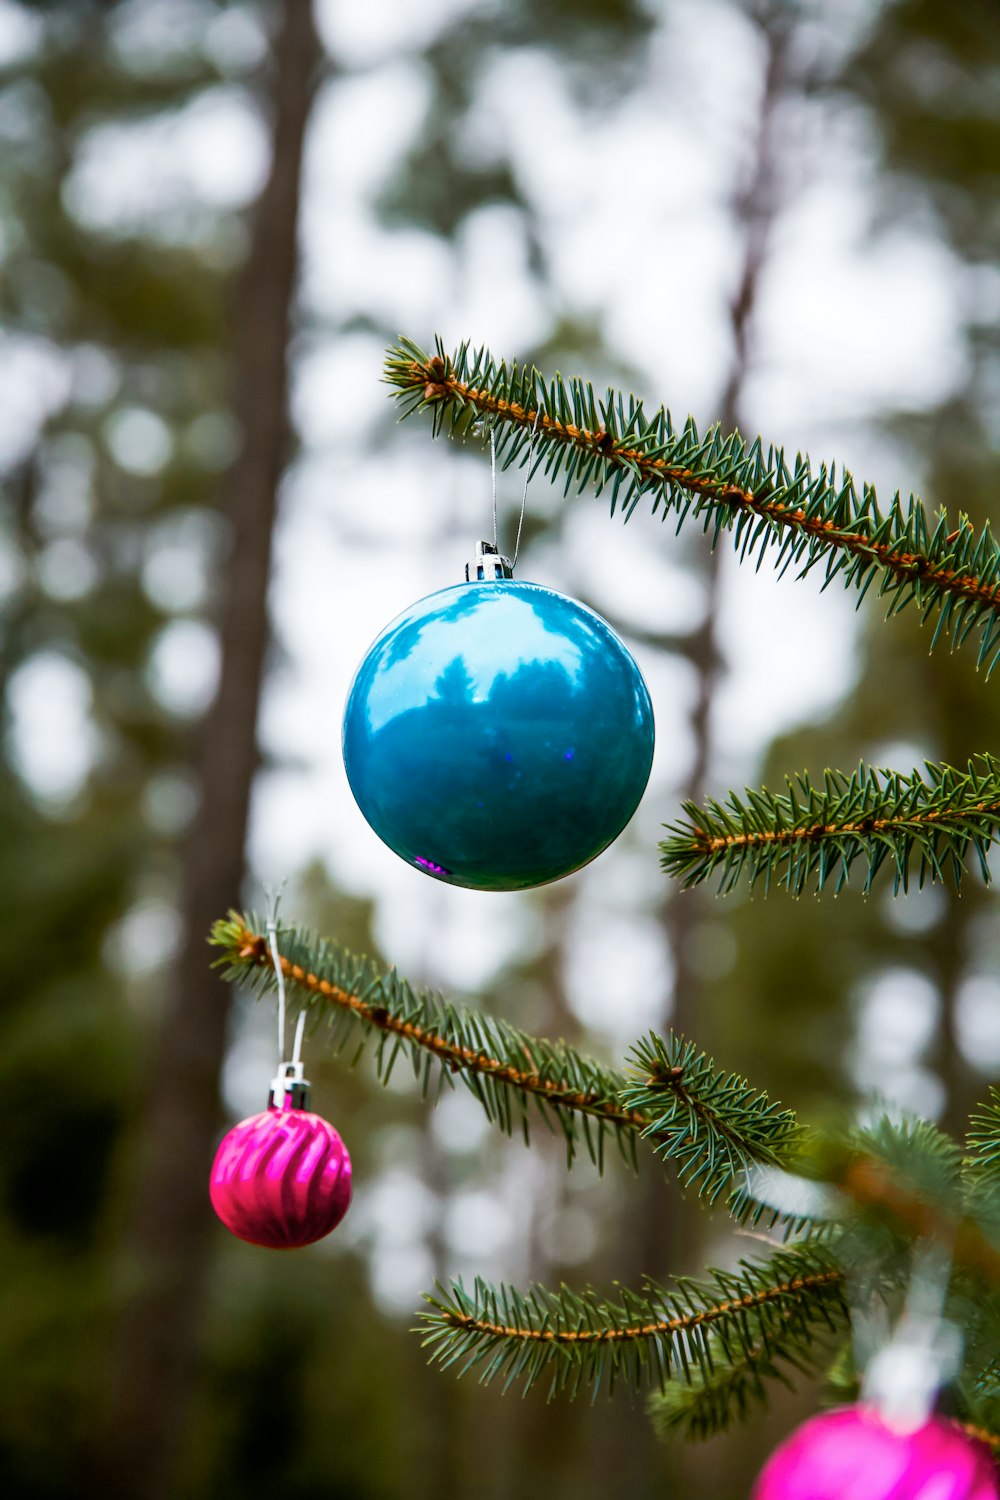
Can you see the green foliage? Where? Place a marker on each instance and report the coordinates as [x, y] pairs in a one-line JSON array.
[[736, 1385], [509, 1073], [713, 1347], [813, 835], [575, 1342], [900, 1188], [770, 505], [918, 1156], [711, 1125], [980, 1174], [984, 1136]]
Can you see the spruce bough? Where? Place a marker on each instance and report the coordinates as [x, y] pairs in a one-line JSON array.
[[710, 1349]]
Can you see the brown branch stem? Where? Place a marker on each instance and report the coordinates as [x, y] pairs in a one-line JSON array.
[[439, 384], [681, 1324], [981, 1434], [254, 947], [863, 828]]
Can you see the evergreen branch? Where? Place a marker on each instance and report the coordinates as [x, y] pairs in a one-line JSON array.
[[981, 1171], [908, 1178], [711, 1125], [984, 1137], [814, 835], [714, 1127], [803, 517], [735, 1385], [908, 1161], [576, 1342], [504, 1068], [977, 1389]]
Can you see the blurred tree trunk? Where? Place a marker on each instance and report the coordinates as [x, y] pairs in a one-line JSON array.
[[168, 1243]]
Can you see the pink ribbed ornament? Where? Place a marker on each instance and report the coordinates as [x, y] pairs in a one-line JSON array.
[[281, 1179], [852, 1454]]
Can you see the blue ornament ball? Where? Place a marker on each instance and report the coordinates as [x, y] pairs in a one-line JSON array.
[[498, 735]]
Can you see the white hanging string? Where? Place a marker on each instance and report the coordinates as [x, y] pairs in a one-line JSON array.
[[279, 975], [300, 1027], [273, 902], [527, 481], [272, 938], [493, 476]]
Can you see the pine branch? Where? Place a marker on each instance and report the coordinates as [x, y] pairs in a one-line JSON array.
[[913, 1159], [505, 1069], [736, 1385], [724, 1338], [711, 1125], [977, 1391], [984, 1137], [813, 835], [907, 1180], [981, 1171], [803, 518], [576, 1342]]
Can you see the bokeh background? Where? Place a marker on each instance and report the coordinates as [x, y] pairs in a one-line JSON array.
[[213, 218]]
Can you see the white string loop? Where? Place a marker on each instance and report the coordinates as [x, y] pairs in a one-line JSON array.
[[273, 902], [493, 476], [527, 481], [300, 1027]]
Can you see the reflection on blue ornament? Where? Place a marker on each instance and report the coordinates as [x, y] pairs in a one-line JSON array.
[[498, 735]]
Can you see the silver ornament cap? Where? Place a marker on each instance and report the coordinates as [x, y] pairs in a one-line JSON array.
[[488, 565]]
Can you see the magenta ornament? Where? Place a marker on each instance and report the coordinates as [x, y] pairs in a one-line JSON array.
[[852, 1454], [281, 1179]]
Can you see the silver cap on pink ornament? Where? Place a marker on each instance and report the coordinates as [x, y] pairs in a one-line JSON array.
[[289, 1089]]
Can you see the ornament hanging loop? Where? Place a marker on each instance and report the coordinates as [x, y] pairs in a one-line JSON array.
[[527, 481], [289, 1088], [273, 902], [489, 563]]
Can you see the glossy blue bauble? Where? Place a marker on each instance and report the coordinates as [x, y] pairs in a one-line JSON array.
[[498, 735]]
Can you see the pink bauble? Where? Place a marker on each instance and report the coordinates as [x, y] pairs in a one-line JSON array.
[[281, 1179], [852, 1455]]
